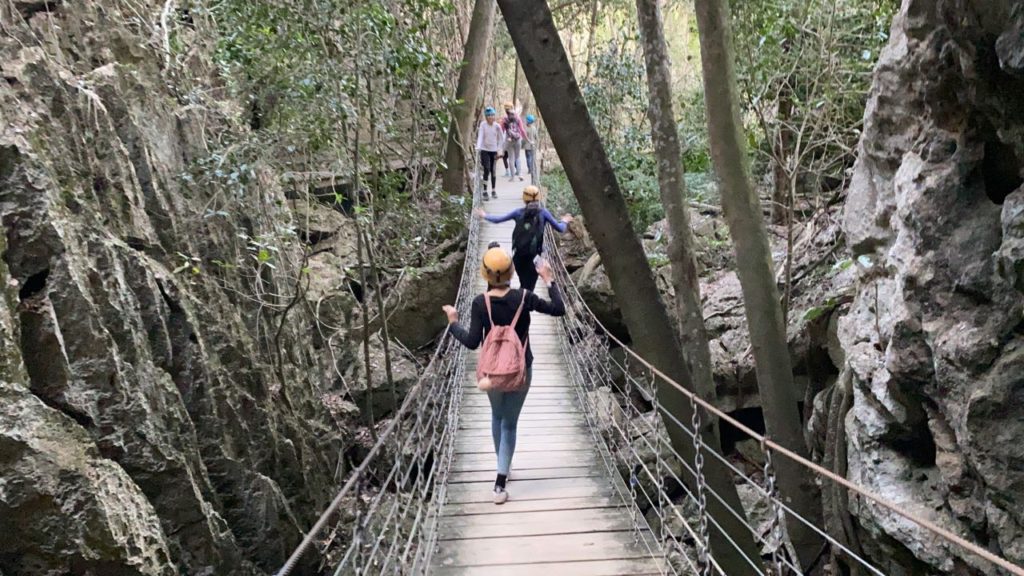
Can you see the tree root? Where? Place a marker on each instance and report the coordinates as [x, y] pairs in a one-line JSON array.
[[838, 521]]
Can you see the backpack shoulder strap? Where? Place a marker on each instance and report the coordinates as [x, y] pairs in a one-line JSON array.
[[515, 319], [487, 303]]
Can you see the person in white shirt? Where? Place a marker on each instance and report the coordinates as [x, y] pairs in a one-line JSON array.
[[490, 138]]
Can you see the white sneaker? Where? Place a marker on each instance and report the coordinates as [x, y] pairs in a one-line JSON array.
[[500, 495]]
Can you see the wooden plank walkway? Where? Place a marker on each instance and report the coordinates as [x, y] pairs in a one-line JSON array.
[[564, 516]]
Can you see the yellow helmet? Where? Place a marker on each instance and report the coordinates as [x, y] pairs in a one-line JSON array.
[[508, 106], [496, 267], [531, 194]]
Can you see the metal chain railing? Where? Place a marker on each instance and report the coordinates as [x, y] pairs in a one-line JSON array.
[[704, 543], [399, 487], [604, 372], [775, 526]]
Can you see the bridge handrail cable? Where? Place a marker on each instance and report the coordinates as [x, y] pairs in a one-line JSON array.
[[447, 353], [765, 443]]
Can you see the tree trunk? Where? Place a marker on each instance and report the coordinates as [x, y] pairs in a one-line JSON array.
[[467, 95], [586, 164], [780, 170], [754, 265], [527, 100], [668, 151], [590, 39], [515, 82]]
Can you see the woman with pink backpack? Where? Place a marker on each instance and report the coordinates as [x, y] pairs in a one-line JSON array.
[[500, 318]]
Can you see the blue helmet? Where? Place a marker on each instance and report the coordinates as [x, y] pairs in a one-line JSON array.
[[488, 111], [530, 119]]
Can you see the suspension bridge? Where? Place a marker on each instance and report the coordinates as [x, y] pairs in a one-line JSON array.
[[596, 488]]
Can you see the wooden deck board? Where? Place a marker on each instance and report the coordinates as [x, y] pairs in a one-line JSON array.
[[559, 440], [527, 474], [520, 506], [632, 567], [619, 545], [566, 523], [522, 460], [564, 515]]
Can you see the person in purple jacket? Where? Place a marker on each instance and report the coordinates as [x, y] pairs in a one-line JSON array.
[[528, 236]]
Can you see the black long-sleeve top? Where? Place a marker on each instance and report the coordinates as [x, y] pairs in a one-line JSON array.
[[503, 310]]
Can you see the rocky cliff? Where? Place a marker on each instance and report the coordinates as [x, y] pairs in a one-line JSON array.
[[934, 340], [177, 388]]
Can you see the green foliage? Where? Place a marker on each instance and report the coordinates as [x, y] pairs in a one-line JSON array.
[[335, 87], [816, 312], [188, 264], [844, 264], [560, 199], [693, 133], [616, 94], [415, 225], [658, 260], [636, 167], [816, 58], [309, 79]]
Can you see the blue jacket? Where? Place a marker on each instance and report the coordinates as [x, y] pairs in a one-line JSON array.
[[518, 213]]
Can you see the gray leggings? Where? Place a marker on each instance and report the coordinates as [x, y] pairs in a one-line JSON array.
[[513, 147]]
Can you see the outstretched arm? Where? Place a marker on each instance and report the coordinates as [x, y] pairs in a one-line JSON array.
[[553, 307], [469, 338], [561, 226], [499, 219]]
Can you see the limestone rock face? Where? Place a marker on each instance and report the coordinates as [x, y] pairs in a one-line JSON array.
[[596, 290], [418, 297], [331, 238], [66, 504], [934, 339], [69, 504], [821, 285], [380, 397], [160, 411]]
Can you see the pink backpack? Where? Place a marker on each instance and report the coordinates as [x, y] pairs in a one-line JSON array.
[[502, 363]]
